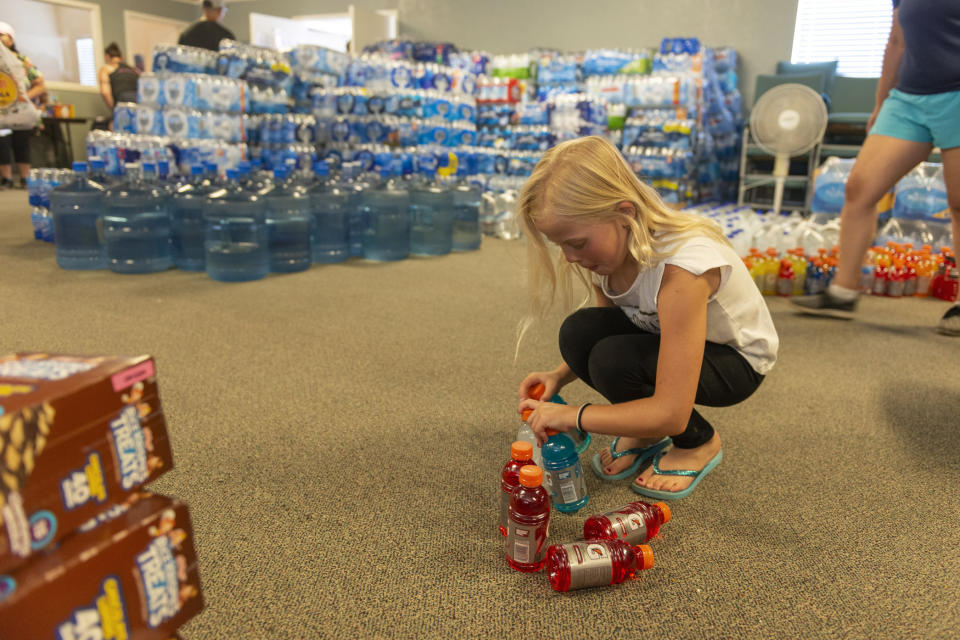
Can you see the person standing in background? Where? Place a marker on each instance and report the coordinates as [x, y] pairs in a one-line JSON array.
[[918, 99], [15, 147], [117, 79], [208, 33]]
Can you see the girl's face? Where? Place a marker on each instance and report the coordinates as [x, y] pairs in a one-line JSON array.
[[600, 247], [6, 39]]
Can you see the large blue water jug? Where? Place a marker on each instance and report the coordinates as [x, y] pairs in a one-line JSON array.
[[136, 223], [359, 184], [431, 217], [563, 475], [186, 220], [77, 207], [467, 200], [329, 203], [387, 226], [236, 233], [289, 225]]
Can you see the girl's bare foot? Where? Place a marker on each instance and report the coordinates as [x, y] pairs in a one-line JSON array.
[[676, 460]]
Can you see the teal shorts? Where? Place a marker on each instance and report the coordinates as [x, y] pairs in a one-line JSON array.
[[932, 118]]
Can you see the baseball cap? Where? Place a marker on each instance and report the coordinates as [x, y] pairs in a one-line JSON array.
[[7, 29]]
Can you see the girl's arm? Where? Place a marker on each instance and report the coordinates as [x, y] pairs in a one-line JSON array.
[[682, 310]]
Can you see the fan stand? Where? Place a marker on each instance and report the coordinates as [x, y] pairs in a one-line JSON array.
[[781, 167]]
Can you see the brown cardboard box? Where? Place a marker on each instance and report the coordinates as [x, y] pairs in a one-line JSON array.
[[131, 577], [77, 434]]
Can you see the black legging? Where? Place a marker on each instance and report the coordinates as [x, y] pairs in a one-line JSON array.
[[619, 360]]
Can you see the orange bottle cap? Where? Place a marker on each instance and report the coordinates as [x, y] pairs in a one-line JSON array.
[[531, 475], [536, 391], [525, 414], [551, 432], [521, 450], [665, 509], [645, 553]]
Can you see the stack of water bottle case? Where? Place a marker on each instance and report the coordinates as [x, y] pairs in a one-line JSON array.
[[612, 548], [85, 551]]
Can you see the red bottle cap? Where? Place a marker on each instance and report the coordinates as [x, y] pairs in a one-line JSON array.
[[531, 475], [521, 450], [665, 509], [645, 554]]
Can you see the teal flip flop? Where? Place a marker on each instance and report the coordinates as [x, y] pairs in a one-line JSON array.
[[676, 495], [643, 454]]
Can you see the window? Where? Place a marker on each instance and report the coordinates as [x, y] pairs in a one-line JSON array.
[[853, 32], [61, 37]]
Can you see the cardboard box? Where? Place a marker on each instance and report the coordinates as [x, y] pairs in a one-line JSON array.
[[132, 576], [77, 434]]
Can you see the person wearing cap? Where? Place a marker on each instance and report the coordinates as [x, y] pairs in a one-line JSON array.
[[118, 80], [16, 146], [208, 33]]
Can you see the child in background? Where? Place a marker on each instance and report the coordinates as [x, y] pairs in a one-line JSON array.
[[678, 319]]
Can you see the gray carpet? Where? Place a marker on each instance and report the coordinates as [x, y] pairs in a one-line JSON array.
[[338, 435]]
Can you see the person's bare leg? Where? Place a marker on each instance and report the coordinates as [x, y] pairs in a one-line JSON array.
[[6, 171], [24, 168], [882, 161], [950, 322]]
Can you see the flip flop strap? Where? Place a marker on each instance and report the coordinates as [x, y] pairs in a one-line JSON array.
[[614, 454], [670, 472]]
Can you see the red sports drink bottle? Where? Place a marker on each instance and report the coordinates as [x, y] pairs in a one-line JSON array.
[[520, 455], [529, 519], [595, 563], [633, 523]]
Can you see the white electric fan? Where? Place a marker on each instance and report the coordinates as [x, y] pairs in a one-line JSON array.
[[788, 120]]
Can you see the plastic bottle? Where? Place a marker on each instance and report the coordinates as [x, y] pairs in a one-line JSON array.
[[386, 236], [595, 563], [356, 216], [235, 233], [520, 456], [77, 207], [634, 523], [528, 522], [329, 203], [289, 225], [525, 433], [186, 221], [136, 224], [467, 201], [431, 217], [563, 475]]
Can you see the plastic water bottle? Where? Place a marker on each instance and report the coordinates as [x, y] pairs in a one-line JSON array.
[[431, 218], [330, 206], [387, 234], [525, 434], [563, 475], [829, 190], [77, 207], [467, 201], [186, 220], [528, 520], [289, 225], [520, 454], [356, 216], [235, 233], [136, 224], [595, 563], [97, 172], [634, 523]]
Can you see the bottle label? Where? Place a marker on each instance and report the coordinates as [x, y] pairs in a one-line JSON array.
[[504, 509], [629, 527], [526, 544], [565, 485], [590, 564]]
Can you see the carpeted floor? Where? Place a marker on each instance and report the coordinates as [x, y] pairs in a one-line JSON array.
[[338, 435]]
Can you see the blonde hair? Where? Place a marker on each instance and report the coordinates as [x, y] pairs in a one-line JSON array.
[[586, 180]]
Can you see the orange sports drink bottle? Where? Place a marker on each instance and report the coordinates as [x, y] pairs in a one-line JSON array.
[[529, 517], [595, 563], [520, 456], [633, 523]]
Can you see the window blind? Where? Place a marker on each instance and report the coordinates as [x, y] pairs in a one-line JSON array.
[[853, 32]]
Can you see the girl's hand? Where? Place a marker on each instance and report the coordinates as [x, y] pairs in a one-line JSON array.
[[549, 379], [547, 415]]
